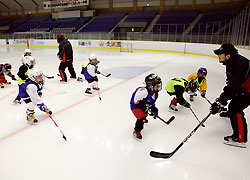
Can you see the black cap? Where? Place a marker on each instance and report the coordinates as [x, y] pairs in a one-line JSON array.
[[226, 49]]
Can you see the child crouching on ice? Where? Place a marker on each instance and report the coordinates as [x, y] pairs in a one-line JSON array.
[[31, 91]]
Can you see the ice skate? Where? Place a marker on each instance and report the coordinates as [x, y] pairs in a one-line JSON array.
[[16, 102], [88, 91], [96, 88], [137, 135], [31, 119], [173, 107], [1, 84], [191, 98], [229, 140]]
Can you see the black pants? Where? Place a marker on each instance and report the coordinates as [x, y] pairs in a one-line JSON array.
[[237, 116], [139, 124], [18, 97], [63, 66]]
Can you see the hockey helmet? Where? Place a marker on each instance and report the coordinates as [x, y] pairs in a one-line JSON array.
[[7, 67], [202, 70], [192, 86], [93, 59], [36, 75], [29, 61], [26, 51], [151, 80]]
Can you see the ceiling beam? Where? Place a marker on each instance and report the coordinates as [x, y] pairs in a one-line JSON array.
[[4, 5]]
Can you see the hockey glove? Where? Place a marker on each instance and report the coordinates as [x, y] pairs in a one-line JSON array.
[[42, 107], [154, 111], [40, 93], [186, 104], [98, 72], [203, 94], [13, 78], [216, 107], [145, 107]]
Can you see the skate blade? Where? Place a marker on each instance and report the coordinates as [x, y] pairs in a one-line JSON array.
[[235, 144]]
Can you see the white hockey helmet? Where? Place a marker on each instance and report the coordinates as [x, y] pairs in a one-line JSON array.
[[93, 59], [26, 51], [36, 75], [29, 61]]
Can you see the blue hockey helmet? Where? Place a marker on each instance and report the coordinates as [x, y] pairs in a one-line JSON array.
[[202, 70]]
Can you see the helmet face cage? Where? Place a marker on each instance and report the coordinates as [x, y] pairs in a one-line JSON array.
[[152, 80], [7, 67], [192, 86], [36, 76], [26, 51], [29, 61]]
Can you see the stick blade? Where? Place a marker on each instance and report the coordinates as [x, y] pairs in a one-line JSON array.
[[160, 155], [64, 137], [171, 119], [109, 74]]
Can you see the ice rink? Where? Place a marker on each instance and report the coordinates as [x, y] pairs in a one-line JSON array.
[[100, 145]]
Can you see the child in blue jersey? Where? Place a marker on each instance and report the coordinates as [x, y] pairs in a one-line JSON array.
[[90, 74], [143, 100], [31, 91]]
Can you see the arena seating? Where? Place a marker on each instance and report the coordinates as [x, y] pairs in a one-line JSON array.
[[103, 22], [173, 21], [213, 20]]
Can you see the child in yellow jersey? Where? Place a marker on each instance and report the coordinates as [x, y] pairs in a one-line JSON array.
[[200, 77]]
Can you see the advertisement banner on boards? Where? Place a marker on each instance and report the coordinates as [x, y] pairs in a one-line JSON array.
[[64, 3]]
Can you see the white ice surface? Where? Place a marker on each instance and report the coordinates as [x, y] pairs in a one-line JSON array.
[[100, 144]]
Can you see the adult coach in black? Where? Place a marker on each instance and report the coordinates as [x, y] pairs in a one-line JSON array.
[[237, 90], [65, 54]]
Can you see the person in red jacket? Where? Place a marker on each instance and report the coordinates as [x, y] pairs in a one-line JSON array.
[[65, 54], [237, 90]]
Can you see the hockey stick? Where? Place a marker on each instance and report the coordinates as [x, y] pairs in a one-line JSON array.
[[168, 155], [99, 94], [208, 100], [166, 122], [49, 77], [196, 117], [224, 108], [64, 137], [106, 75]]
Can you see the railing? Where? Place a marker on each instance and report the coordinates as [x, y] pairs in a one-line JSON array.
[[235, 31]]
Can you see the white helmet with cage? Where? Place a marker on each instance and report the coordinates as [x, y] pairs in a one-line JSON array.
[[93, 59], [29, 61], [36, 75], [26, 51]]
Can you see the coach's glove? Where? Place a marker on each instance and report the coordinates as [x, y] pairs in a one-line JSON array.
[[203, 94], [217, 106]]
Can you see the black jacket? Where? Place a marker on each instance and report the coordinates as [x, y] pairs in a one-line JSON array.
[[238, 77], [65, 51]]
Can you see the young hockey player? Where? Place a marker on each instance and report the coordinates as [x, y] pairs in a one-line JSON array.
[[5, 69], [177, 87], [90, 74], [28, 63], [27, 52], [143, 100], [200, 77], [84, 65], [31, 91]]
